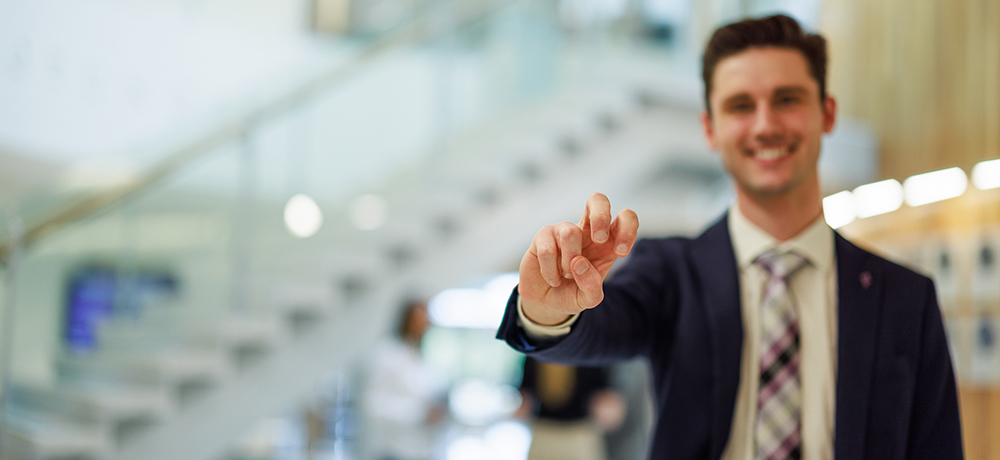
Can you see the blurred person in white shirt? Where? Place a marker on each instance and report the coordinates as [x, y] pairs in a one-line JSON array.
[[403, 405]]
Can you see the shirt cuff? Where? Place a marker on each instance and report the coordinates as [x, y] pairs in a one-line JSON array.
[[539, 331]]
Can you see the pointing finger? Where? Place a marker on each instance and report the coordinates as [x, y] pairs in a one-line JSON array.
[[597, 218]]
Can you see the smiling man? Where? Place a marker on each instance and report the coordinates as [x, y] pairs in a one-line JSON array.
[[769, 336]]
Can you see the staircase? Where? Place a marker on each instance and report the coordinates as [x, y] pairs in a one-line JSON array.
[[185, 382], [261, 317]]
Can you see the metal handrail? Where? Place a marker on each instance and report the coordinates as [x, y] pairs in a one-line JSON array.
[[420, 29]]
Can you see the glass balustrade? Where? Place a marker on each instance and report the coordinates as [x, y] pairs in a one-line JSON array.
[[139, 297]]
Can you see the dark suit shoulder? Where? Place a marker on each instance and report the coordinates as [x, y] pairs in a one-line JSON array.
[[900, 274]]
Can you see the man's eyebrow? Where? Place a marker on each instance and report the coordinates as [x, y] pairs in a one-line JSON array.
[[742, 97], [790, 90]]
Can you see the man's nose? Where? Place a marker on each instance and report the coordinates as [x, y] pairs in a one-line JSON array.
[[766, 123]]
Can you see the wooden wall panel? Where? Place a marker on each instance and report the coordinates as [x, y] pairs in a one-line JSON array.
[[991, 78], [925, 74]]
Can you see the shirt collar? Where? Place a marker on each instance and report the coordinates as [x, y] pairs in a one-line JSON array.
[[815, 243]]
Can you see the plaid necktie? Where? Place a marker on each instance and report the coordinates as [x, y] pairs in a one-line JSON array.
[[778, 429]]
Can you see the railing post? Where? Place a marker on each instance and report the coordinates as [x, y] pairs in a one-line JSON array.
[[15, 233], [244, 224]]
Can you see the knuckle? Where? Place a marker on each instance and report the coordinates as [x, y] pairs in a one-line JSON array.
[[568, 232], [543, 235], [545, 249]]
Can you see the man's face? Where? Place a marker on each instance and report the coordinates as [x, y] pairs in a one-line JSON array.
[[767, 121]]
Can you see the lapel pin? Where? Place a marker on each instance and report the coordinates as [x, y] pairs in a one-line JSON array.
[[866, 279]]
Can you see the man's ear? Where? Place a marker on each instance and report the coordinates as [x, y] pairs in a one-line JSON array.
[[829, 114], [706, 126]]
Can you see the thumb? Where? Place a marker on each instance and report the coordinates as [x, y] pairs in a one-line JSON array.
[[589, 281]]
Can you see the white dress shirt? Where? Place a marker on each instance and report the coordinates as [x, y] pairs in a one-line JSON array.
[[814, 288]]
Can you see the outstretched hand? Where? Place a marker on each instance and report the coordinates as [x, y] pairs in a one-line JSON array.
[[563, 271]]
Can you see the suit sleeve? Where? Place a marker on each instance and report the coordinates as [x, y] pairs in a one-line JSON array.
[[528, 376], [935, 430]]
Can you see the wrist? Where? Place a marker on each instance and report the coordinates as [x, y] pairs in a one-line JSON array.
[[542, 316]]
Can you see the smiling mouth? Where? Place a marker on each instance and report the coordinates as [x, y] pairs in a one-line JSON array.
[[774, 153]]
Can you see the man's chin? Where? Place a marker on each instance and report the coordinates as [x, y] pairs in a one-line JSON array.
[[767, 191]]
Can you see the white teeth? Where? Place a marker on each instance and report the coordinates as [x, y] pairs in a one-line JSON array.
[[771, 154]]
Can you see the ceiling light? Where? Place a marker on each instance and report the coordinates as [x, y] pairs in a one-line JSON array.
[[303, 217], [935, 186], [986, 174], [840, 209], [878, 198]]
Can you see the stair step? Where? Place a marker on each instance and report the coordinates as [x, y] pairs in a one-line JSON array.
[[166, 367], [42, 436], [183, 329], [89, 402]]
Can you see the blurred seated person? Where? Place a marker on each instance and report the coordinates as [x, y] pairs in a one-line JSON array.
[[404, 400], [572, 407]]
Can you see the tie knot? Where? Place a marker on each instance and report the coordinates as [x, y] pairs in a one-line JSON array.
[[781, 265]]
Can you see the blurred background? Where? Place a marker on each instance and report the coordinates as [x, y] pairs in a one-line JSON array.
[[217, 215]]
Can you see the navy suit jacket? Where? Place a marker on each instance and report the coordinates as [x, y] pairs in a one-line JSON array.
[[676, 301]]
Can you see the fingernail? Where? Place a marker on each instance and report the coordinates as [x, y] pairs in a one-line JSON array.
[[601, 236], [581, 267], [555, 283], [621, 249]]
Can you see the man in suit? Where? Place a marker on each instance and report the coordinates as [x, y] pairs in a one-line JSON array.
[[769, 336]]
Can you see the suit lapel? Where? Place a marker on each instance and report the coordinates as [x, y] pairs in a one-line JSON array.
[[857, 325], [717, 279]]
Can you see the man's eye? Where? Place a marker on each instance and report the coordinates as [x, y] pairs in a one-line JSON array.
[[741, 108], [787, 100]]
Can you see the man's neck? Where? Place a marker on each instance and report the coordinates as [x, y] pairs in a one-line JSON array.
[[781, 217]]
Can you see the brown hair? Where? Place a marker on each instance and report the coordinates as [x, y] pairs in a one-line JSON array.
[[407, 311], [778, 31]]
